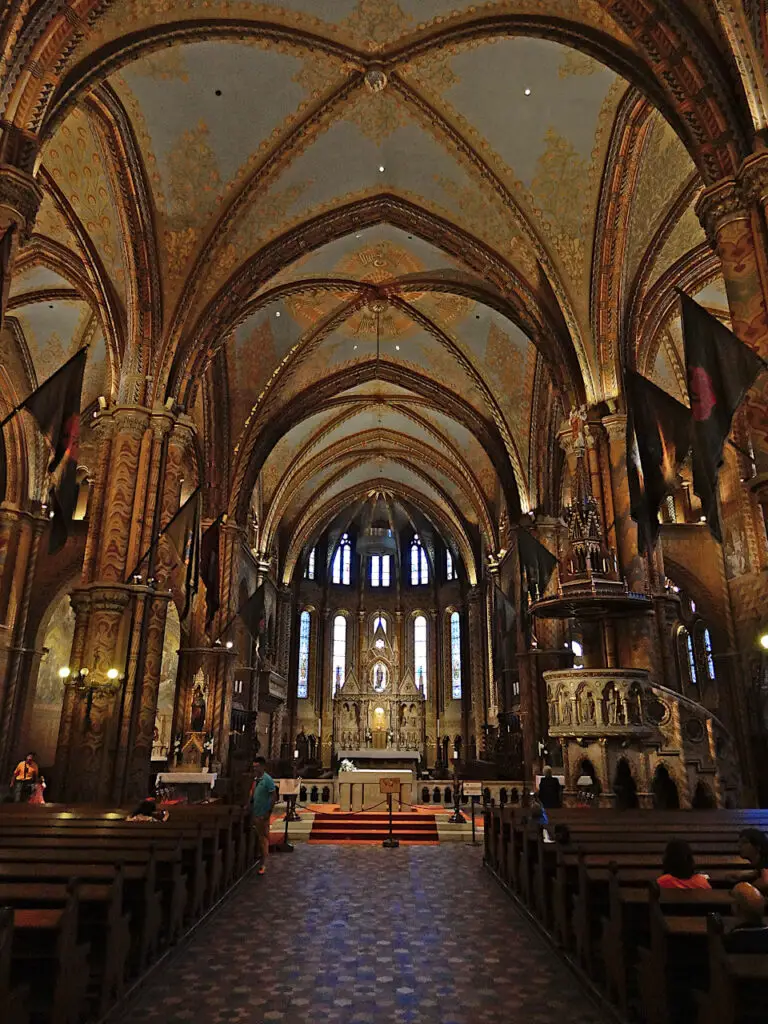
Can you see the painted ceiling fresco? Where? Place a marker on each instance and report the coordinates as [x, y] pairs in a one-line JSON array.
[[458, 189]]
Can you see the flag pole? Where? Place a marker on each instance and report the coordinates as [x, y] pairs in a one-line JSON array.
[[53, 376]]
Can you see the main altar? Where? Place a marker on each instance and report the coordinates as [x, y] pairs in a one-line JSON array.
[[379, 717]]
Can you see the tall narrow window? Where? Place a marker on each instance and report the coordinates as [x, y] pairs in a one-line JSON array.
[[419, 571], [380, 621], [455, 656], [692, 671], [379, 570], [708, 652], [310, 570], [420, 653], [339, 651], [450, 572], [305, 624], [342, 561]]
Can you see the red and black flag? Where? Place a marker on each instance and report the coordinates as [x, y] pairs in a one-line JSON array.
[[209, 567], [504, 634], [536, 562], [658, 440], [721, 370], [183, 531], [55, 406]]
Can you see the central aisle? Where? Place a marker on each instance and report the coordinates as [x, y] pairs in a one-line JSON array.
[[363, 935]]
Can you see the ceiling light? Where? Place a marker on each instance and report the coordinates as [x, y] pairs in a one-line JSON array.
[[381, 169], [764, 641], [527, 92], [277, 312], [354, 348], [397, 348]]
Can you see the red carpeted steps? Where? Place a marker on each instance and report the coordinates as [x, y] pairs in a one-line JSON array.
[[367, 827]]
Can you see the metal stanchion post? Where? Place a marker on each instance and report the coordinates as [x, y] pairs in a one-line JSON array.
[[390, 842], [474, 802], [285, 846]]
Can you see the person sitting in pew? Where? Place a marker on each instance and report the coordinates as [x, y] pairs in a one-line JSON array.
[[679, 869], [147, 811], [748, 932], [753, 846]]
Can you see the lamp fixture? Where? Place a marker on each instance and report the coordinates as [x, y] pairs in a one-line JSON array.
[[112, 673], [764, 641], [64, 672]]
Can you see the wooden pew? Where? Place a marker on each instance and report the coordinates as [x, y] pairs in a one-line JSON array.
[[47, 957], [628, 927], [102, 926], [738, 982], [141, 899], [171, 882], [13, 1000], [676, 961]]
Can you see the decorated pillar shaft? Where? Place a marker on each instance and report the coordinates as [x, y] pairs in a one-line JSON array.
[[477, 667]]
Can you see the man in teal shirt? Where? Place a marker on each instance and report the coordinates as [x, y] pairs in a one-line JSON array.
[[263, 798]]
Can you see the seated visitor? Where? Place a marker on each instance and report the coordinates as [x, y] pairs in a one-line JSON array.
[[549, 790], [747, 933], [753, 846], [147, 811], [679, 870]]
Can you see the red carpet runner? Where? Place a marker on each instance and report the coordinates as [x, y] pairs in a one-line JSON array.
[[368, 827]]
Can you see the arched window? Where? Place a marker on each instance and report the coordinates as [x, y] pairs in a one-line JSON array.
[[309, 573], [380, 620], [339, 670], [342, 561], [305, 625], [380, 570], [450, 572], [419, 571], [688, 653], [455, 656], [708, 652], [420, 653]]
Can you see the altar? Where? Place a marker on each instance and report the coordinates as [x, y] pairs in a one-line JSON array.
[[360, 789]]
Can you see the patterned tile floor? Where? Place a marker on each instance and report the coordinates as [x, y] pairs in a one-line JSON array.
[[363, 935]]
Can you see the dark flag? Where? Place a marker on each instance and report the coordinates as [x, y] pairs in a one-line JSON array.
[[504, 632], [721, 369], [253, 614], [658, 439], [55, 405], [183, 531], [209, 568], [536, 561]]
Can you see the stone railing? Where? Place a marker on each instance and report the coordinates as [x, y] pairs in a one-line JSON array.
[[600, 702]]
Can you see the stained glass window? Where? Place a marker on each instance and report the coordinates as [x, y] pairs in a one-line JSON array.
[[310, 571], [339, 651], [380, 620], [304, 628], [420, 653], [419, 571], [342, 561], [455, 656], [450, 572], [692, 670], [708, 652], [380, 570]]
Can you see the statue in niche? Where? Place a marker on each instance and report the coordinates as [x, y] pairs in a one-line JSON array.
[[587, 708], [565, 709], [302, 745], [379, 677], [197, 718], [554, 717], [612, 707], [635, 710]]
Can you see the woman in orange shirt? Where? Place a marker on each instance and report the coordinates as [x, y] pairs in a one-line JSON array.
[[679, 870]]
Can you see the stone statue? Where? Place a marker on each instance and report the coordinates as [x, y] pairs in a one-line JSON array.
[[197, 718], [565, 709], [302, 745], [588, 708], [612, 707]]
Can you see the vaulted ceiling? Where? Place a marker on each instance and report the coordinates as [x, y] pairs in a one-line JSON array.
[[362, 241]]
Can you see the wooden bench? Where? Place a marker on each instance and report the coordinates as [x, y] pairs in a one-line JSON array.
[[14, 1000], [738, 982], [102, 926], [47, 957]]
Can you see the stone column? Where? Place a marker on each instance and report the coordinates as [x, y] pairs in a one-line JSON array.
[[28, 531], [477, 667], [20, 198], [631, 563]]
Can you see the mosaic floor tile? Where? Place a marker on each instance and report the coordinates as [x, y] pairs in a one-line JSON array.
[[362, 935]]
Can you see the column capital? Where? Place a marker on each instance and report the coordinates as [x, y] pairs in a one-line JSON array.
[[615, 426], [20, 198], [719, 204], [753, 177]]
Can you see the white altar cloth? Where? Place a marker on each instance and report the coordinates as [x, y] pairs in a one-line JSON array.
[[187, 778]]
